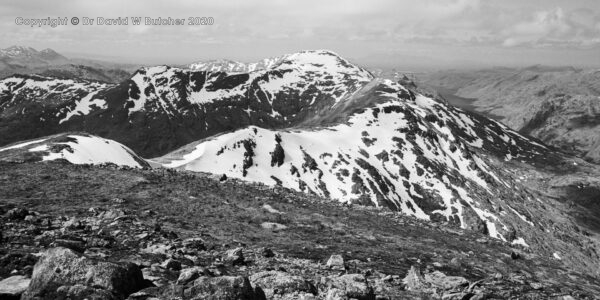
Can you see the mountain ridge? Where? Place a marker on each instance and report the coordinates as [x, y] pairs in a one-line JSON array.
[[182, 102]]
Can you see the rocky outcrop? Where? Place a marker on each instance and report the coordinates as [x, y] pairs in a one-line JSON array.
[[349, 286], [277, 283], [224, 287], [61, 272]]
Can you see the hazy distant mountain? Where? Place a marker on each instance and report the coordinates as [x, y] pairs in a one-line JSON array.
[[27, 60], [559, 105]]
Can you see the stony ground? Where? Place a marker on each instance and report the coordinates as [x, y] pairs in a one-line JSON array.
[[75, 232]]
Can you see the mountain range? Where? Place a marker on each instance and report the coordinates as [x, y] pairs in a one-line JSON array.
[[316, 123]]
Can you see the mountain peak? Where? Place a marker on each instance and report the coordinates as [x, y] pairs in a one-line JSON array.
[[304, 60]]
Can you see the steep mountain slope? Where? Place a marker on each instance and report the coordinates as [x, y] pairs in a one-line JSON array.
[[560, 106], [34, 106], [162, 108], [407, 153], [76, 148]]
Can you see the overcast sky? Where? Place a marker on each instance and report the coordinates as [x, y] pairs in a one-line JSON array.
[[400, 33]]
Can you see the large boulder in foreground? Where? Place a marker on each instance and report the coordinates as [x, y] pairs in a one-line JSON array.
[[61, 270], [12, 287]]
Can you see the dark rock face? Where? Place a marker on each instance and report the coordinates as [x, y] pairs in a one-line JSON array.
[[60, 267]]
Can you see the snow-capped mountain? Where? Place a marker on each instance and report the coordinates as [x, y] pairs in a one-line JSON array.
[[410, 154], [312, 122], [230, 66], [162, 108], [76, 148]]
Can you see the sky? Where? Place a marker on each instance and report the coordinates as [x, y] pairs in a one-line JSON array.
[[403, 34]]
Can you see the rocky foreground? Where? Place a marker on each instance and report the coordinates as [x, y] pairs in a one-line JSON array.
[[81, 232]]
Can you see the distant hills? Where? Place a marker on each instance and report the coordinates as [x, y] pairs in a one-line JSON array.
[[558, 105], [27, 60]]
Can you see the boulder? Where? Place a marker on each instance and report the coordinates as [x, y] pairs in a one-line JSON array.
[[171, 264], [17, 213], [194, 244], [273, 226], [13, 287], [441, 280], [350, 285], [224, 287], [280, 283], [336, 262], [63, 267], [267, 252], [234, 256], [414, 280], [189, 274], [79, 291]]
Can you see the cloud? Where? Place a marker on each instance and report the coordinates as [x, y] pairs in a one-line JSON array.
[[554, 28], [256, 28]]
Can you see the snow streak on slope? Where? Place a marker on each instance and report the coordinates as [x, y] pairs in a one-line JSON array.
[[76, 149], [234, 67], [411, 155], [84, 106]]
